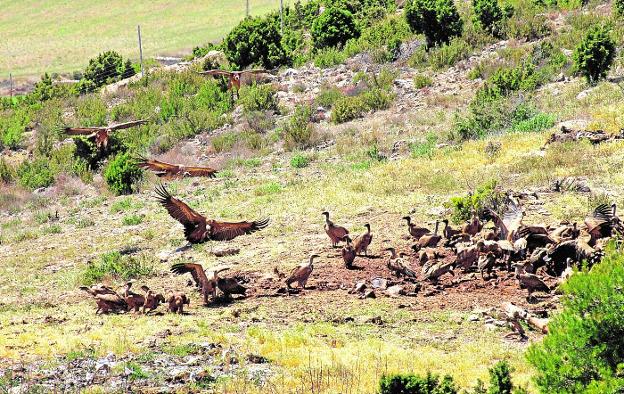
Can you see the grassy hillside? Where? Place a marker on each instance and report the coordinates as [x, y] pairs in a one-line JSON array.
[[60, 36]]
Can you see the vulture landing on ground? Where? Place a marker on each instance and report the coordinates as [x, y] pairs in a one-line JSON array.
[[207, 285], [198, 229], [170, 171], [100, 135]]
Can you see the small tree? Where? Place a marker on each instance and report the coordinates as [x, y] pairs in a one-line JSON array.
[[489, 15], [108, 67], [584, 351], [255, 41], [438, 20], [500, 379], [594, 55], [122, 173], [334, 27]]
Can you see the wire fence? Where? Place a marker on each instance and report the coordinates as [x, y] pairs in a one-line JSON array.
[[12, 86]]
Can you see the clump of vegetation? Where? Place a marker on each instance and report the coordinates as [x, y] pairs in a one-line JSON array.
[[35, 174], [7, 172], [595, 53], [299, 160], [422, 81], [618, 7], [328, 96], [489, 16], [583, 351], [12, 129], [298, 131], [528, 22], [333, 28], [132, 220], [485, 196], [116, 266], [425, 148], [122, 174], [259, 98], [415, 384], [438, 20], [329, 57], [255, 41], [107, 68], [224, 142]]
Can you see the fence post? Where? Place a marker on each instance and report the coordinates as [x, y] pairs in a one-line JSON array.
[[140, 50], [282, 16], [11, 85], [247, 9]]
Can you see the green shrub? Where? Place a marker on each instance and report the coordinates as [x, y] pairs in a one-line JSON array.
[[618, 7], [91, 111], [489, 15], [583, 351], [594, 55], [259, 98], [7, 172], [299, 161], [486, 196], [500, 379], [35, 174], [132, 220], [438, 20], [298, 130], [422, 81], [449, 54], [224, 142], [45, 89], [348, 108], [255, 41], [414, 384], [12, 129], [426, 148], [534, 123], [115, 265], [329, 57], [108, 67], [122, 174], [328, 96], [333, 28], [528, 22], [376, 99]]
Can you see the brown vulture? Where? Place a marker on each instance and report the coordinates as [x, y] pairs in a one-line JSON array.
[[176, 302], [198, 229], [170, 171], [348, 252], [363, 241], [334, 232], [152, 300], [135, 301], [229, 286], [398, 266], [234, 77], [206, 283], [430, 240], [100, 134], [106, 299], [301, 273], [509, 224], [415, 230], [602, 222], [473, 226], [448, 231], [486, 263], [531, 282]]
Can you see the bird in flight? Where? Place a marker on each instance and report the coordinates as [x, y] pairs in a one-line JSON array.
[[234, 77], [101, 134], [199, 229], [170, 171]]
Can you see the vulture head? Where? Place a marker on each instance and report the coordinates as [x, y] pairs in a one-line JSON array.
[[367, 225], [409, 219]]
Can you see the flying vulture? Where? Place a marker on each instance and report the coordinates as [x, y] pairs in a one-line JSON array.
[[234, 77], [198, 229], [101, 134], [169, 171]]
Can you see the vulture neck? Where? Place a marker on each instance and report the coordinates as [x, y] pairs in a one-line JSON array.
[[436, 228], [311, 261], [394, 254]]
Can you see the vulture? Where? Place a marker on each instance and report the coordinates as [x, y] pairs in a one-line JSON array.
[[176, 302], [430, 240], [198, 229], [536, 237], [229, 286], [398, 265], [363, 241], [348, 252], [433, 271], [135, 301], [415, 230], [234, 77], [170, 171], [486, 263], [474, 226], [565, 232], [467, 256], [509, 224], [531, 282], [100, 135], [208, 285], [335, 233], [448, 231], [567, 273], [601, 222], [301, 273], [98, 289], [106, 299], [152, 300]]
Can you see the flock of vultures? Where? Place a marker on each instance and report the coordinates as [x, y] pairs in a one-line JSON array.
[[491, 242]]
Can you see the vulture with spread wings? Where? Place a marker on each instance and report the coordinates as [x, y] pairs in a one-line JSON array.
[[170, 171], [206, 283], [198, 229], [234, 77], [510, 223], [101, 134], [602, 222]]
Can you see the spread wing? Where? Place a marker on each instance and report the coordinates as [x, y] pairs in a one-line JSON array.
[[257, 71], [216, 72], [223, 231], [199, 171], [513, 217], [196, 271], [194, 223], [156, 165], [82, 130], [601, 215], [127, 125]]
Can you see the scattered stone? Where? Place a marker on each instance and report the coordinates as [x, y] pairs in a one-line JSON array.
[[473, 318], [375, 320], [222, 252], [395, 291], [369, 294], [379, 283]]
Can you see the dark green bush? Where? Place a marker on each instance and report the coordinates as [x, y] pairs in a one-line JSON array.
[[46, 90], [122, 174], [12, 129], [438, 20], [259, 98], [299, 161], [328, 96], [594, 55], [489, 15], [108, 67], [414, 384], [485, 196], [333, 28], [583, 351], [422, 81], [348, 108], [500, 379], [255, 41], [35, 174], [528, 22], [117, 266]]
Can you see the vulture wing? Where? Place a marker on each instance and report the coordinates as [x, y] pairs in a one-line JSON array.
[[127, 125], [513, 217], [601, 215], [257, 71], [82, 130], [194, 223], [196, 271], [200, 171], [223, 231], [156, 165], [216, 72]]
